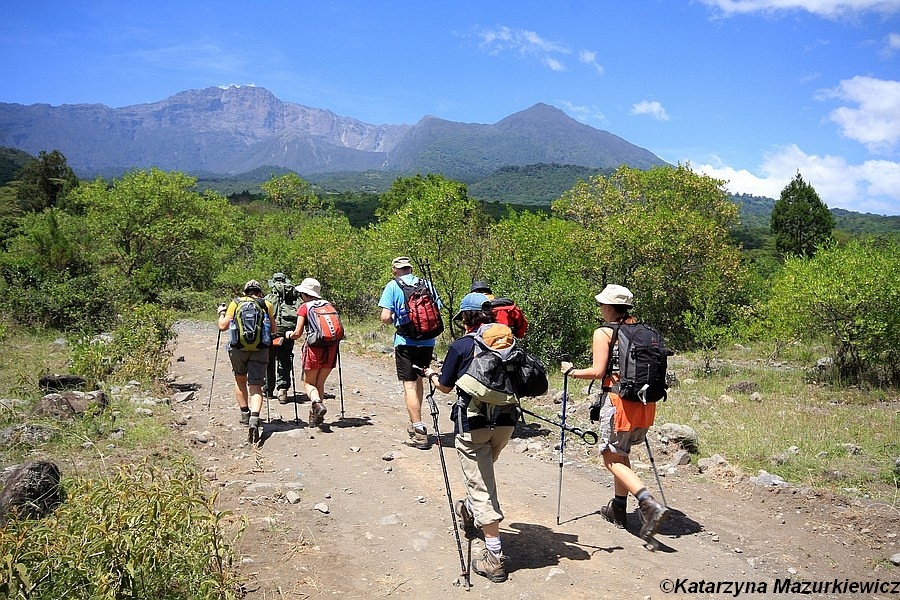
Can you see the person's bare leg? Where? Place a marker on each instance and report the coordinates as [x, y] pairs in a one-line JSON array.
[[240, 390], [412, 393]]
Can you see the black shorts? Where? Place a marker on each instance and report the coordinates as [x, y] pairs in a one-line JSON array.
[[407, 356]]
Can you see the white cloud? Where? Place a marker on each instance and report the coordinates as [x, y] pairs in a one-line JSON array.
[[589, 57], [823, 8], [529, 44], [651, 108], [875, 121], [891, 45], [873, 186], [583, 113]]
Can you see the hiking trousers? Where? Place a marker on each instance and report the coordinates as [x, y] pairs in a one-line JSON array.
[[478, 450], [281, 362]]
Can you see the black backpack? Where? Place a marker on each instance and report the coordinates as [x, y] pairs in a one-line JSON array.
[[642, 362], [423, 314]]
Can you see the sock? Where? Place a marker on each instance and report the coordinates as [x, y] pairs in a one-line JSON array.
[[254, 413], [419, 425], [620, 500], [642, 494], [492, 544], [245, 409]]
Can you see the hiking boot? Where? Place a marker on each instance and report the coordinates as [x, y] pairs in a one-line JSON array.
[[282, 397], [615, 513], [317, 414], [466, 520], [418, 437], [254, 430], [490, 565], [653, 514], [245, 417]]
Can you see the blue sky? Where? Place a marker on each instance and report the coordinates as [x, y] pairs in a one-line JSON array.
[[749, 91]]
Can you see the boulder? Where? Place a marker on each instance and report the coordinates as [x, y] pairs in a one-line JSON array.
[[31, 491]]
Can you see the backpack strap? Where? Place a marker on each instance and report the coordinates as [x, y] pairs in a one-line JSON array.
[[609, 359]]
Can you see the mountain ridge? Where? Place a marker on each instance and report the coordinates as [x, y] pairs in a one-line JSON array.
[[235, 129]]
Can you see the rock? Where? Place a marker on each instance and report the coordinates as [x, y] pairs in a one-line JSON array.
[[852, 449], [765, 479], [756, 397], [82, 402], [895, 559], [716, 460], [392, 455], [554, 572], [321, 507], [55, 406], [683, 435], [682, 457], [824, 363], [27, 434], [182, 397], [31, 490], [726, 399], [292, 497], [59, 383], [743, 387]]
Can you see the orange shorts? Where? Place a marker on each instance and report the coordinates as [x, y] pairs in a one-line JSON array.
[[319, 357]]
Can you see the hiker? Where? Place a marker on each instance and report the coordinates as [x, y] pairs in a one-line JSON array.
[[283, 298], [505, 310], [248, 362], [481, 432], [318, 360], [622, 423], [408, 353]]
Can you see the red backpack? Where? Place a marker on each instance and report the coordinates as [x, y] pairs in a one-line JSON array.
[[423, 314], [323, 324], [507, 312]]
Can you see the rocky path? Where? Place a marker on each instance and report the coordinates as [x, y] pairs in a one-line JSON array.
[[350, 511]]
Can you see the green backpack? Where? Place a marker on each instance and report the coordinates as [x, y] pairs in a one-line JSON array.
[[283, 298], [250, 329]]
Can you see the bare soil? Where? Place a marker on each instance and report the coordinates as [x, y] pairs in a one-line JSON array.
[[349, 510]]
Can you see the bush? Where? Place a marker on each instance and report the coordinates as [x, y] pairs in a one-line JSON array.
[[145, 532], [848, 294], [137, 349]]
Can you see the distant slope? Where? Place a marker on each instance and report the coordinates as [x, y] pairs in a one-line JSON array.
[[11, 162], [531, 185], [239, 128]]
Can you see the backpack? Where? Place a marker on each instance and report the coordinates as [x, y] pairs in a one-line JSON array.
[[422, 312], [283, 298], [323, 324], [642, 359], [500, 371], [508, 312], [250, 330]]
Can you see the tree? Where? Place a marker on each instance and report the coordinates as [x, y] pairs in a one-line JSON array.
[[800, 220], [291, 191], [664, 234], [157, 234], [44, 182]]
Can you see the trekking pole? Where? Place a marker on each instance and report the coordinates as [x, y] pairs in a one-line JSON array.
[[215, 362], [589, 437], [562, 442], [655, 472], [340, 379], [437, 432]]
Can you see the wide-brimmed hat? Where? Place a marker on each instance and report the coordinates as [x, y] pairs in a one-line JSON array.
[[480, 286], [615, 295], [311, 287], [252, 285], [401, 262], [472, 301]]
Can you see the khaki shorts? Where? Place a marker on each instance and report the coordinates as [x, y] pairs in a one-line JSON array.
[[251, 364], [618, 442]]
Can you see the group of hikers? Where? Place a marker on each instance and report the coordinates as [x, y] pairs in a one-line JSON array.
[[482, 428]]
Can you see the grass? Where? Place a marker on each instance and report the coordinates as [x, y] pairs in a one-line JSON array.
[[126, 486]]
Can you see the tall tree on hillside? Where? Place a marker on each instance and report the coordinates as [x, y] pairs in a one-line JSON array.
[[44, 182], [292, 191], [800, 220]]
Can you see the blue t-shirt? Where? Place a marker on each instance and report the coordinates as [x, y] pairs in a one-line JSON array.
[[392, 299]]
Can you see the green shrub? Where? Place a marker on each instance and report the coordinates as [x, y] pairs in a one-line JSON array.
[[849, 294], [144, 532], [137, 349]]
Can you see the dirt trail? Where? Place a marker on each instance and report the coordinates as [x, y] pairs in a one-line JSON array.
[[388, 532]]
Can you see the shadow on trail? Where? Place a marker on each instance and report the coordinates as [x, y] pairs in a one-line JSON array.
[[536, 546], [345, 422]]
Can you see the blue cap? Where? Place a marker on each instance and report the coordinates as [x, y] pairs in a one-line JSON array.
[[472, 301]]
